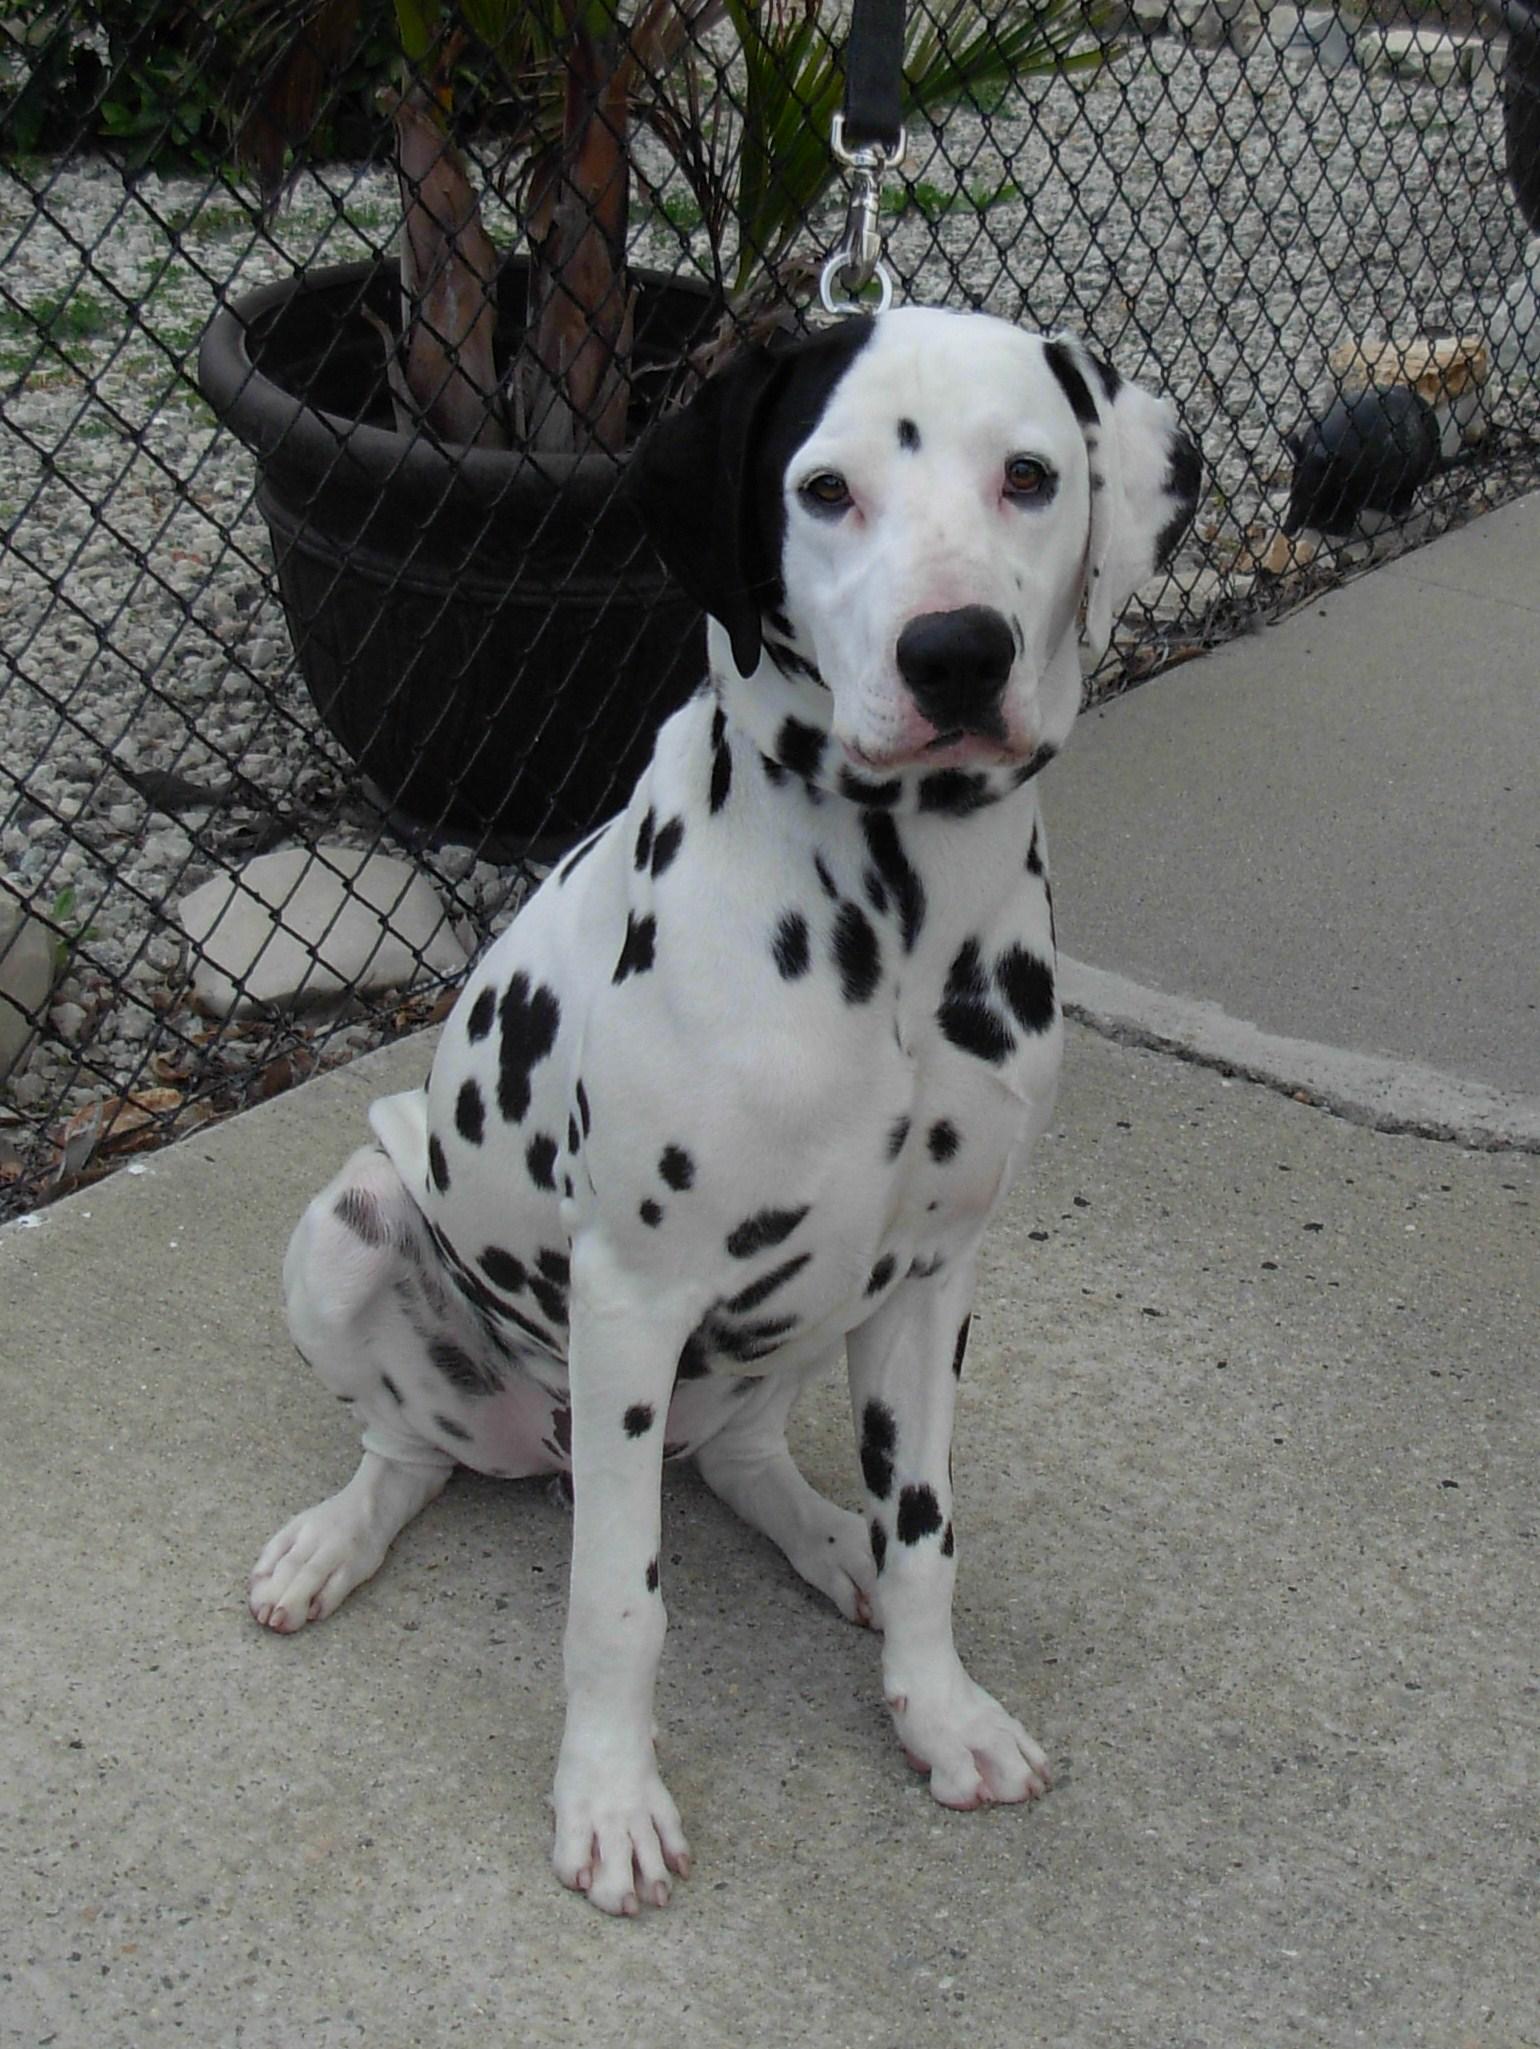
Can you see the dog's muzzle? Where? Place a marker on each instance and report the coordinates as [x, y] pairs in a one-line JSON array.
[[956, 666]]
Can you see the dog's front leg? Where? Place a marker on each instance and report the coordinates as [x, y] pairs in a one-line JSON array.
[[618, 1834], [904, 1367]]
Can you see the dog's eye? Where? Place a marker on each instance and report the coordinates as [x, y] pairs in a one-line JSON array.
[[1027, 477], [827, 491]]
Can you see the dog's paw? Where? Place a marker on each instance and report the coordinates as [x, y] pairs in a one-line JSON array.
[[312, 1565], [320, 1555], [618, 1836], [835, 1556], [975, 1752]]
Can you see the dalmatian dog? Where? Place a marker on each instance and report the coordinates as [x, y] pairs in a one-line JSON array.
[[741, 1086]]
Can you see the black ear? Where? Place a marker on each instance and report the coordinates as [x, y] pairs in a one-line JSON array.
[[695, 480]]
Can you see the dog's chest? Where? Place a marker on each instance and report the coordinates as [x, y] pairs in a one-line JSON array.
[[783, 1044]]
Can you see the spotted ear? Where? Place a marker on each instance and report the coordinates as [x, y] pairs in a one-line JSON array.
[[1146, 474], [695, 479]]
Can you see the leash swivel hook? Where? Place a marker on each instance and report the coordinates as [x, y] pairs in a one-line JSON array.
[[858, 258]]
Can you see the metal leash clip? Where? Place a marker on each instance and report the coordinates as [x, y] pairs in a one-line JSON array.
[[858, 259]]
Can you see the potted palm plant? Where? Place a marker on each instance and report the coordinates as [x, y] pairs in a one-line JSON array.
[[472, 602]]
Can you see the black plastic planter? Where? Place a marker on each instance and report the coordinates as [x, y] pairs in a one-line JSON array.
[[1521, 102], [489, 634]]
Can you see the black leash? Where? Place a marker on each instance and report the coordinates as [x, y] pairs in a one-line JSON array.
[[868, 138], [874, 61]]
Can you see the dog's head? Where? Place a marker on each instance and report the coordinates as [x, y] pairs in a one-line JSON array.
[[935, 512]]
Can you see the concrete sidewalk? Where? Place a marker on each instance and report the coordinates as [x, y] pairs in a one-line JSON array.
[[1248, 1534], [1321, 845]]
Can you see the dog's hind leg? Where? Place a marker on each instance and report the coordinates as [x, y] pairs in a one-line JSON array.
[[749, 1466], [354, 1243]]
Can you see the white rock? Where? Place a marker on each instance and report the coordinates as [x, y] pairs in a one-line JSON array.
[[26, 976], [298, 926], [1311, 32], [69, 1021], [1421, 53]]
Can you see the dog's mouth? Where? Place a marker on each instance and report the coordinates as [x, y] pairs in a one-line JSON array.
[[954, 748]]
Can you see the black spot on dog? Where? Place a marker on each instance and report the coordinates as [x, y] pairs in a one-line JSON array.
[[857, 954], [791, 662], [529, 1020], [555, 1265], [503, 1270], [960, 1347], [551, 1298], [392, 1390], [540, 1159], [955, 792], [1063, 365], [470, 1113], [879, 1440], [651, 1213], [721, 761], [919, 1514], [479, 1020], [750, 1341], [860, 791], [643, 852], [438, 1166], [1111, 382], [652, 1575], [926, 1269], [799, 747], [790, 947], [897, 1133], [774, 773], [1184, 481], [451, 1428], [580, 854], [825, 879], [1026, 983], [639, 947], [879, 1543], [892, 864], [676, 1167], [1034, 854], [880, 1274], [638, 1419], [942, 1140], [876, 891], [667, 844], [356, 1208], [693, 1362], [1034, 764], [948, 1542], [574, 1138], [585, 1116], [765, 1228], [761, 1290], [908, 435], [459, 1368], [965, 1016]]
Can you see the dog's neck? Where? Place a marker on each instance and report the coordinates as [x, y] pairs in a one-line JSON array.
[[784, 708]]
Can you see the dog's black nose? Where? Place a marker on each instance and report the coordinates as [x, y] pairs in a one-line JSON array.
[[956, 665]]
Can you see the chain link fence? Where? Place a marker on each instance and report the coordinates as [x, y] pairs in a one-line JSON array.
[[300, 691]]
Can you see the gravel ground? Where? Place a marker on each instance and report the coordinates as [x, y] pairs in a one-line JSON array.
[[1216, 223]]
